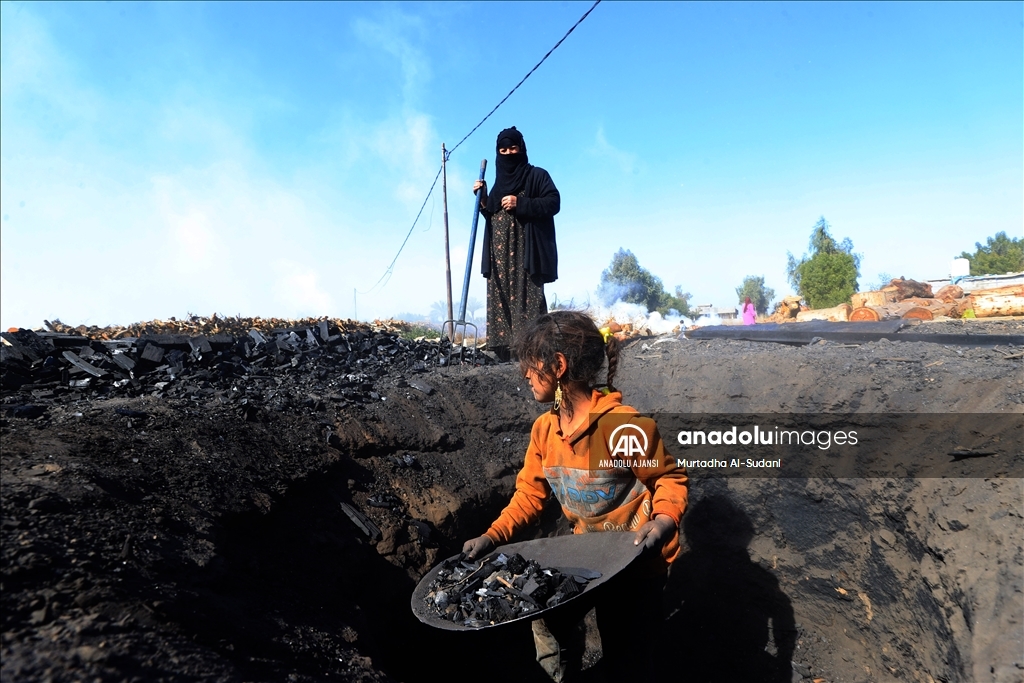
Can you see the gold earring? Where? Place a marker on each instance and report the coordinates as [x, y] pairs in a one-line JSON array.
[[558, 394]]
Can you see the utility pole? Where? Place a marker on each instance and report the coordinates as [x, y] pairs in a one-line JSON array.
[[447, 254]]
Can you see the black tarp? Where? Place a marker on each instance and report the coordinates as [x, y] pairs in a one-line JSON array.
[[854, 333]]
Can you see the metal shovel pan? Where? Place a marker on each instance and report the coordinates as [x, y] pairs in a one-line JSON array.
[[606, 552]]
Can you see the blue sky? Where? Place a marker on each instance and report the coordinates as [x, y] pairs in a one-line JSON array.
[[267, 159]]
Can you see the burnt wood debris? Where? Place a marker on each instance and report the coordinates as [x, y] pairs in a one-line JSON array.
[[498, 589], [338, 361]]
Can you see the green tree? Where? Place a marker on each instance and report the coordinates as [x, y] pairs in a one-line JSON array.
[[827, 277], [1000, 255], [678, 302], [760, 295], [626, 280]]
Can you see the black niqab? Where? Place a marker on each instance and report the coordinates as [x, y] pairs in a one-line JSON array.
[[510, 169]]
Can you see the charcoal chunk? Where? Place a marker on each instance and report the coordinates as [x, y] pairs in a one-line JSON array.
[[29, 344], [420, 385], [123, 361], [516, 564], [152, 353], [362, 521], [568, 588], [82, 365], [200, 345]]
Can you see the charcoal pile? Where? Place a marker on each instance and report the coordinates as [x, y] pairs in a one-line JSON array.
[[195, 325], [498, 589], [341, 361]]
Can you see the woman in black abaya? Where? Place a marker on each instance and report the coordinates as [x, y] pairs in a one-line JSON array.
[[519, 252]]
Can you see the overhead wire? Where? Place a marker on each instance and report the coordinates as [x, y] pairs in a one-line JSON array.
[[542, 59], [390, 269]]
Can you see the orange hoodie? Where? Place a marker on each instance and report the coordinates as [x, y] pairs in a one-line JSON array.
[[596, 492]]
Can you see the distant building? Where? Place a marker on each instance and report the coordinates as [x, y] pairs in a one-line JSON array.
[[959, 274], [710, 311]]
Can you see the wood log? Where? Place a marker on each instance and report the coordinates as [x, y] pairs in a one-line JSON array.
[[988, 303], [933, 306], [904, 289], [613, 326], [876, 313], [1014, 290], [950, 293], [790, 306], [898, 309], [919, 313], [866, 314], [786, 310], [877, 298], [961, 307], [942, 308], [840, 313]]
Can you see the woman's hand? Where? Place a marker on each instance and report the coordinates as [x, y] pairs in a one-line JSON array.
[[508, 202], [656, 532], [478, 185], [475, 547]]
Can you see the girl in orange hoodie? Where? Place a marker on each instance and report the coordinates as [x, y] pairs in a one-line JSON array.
[[573, 456]]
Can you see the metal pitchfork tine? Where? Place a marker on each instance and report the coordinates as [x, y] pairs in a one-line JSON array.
[[454, 325]]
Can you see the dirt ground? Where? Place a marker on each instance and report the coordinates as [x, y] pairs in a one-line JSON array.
[[176, 538]]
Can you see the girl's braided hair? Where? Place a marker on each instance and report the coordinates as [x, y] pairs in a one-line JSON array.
[[575, 336]]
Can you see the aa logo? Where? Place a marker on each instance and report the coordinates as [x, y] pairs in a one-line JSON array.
[[628, 441]]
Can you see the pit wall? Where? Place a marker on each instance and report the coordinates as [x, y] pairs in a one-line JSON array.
[[881, 579]]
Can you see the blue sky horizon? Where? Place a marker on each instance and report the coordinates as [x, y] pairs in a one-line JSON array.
[[269, 158]]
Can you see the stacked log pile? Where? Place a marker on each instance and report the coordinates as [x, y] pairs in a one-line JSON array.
[[910, 299]]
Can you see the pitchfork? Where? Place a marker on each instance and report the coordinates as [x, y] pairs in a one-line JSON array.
[[461, 322]]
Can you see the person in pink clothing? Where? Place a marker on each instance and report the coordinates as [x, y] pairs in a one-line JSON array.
[[749, 312]]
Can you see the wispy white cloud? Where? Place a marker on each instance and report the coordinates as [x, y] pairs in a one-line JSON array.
[[625, 161], [391, 33], [406, 142], [405, 145]]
